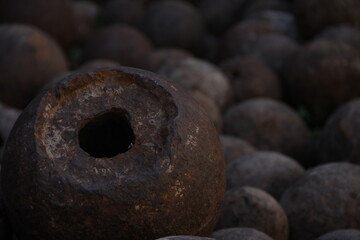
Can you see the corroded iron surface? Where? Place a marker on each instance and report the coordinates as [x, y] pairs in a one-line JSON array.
[[167, 177]]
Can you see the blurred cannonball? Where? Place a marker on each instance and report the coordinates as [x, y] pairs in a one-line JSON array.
[[340, 138], [98, 63], [254, 208], [8, 117], [123, 11], [341, 33], [180, 237], [241, 37], [324, 199], [343, 234], [220, 15], [323, 73], [55, 17], [255, 6], [121, 43], [251, 78], [240, 233], [86, 13], [29, 58], [314, 15], [198, 75], [270, 171], [269, 125], [234, 147], [159, 57], [173, 23], [281, 21], [210, 108]]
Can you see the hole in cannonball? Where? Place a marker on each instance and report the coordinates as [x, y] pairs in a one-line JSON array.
[[107, 134]]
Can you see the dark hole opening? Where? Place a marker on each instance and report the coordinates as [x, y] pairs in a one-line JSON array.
[[1, 141], [107, 135]]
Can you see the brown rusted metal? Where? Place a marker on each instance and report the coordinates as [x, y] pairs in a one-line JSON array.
[[161, 172]]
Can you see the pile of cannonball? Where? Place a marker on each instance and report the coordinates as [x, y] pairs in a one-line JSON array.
[[180, 119]]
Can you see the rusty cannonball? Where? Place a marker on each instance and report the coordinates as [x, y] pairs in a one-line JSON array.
[[269, 125], [324, 73], [198, 75], [240, 233], [55, 17], [253, 208], [251, 78], [340, 138], [28, 59], [314, 15], [173, 23], [121, 43], [118, 153], [343, 234], [180, 237], [324, 199], [234, 147], [270, 171]]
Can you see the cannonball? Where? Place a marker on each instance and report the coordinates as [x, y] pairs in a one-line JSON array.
[[28, 59], [55, 17], [98, 63], [8, 117], [340, 138], [270, 171], [269, 125], [324, 199], [173, 23], [121, 43], [240, 233], [343, 234], [198, 75], [274, 49], [341, 33], [118, 153], [210, 108], [281, 21], [324, 73], [254, 208], [123, 11], [182, 237], [86, 13], [209, 48], [255, 6], [241, 38], [251, 78], [158, 57], [220, 15], [314, 15], [234, 147]]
